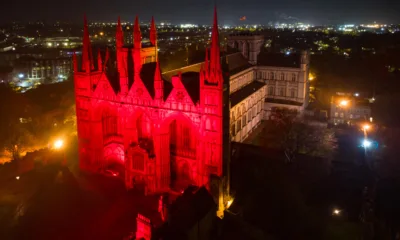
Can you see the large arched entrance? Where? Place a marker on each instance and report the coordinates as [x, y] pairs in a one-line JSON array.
[[182, 153], [140, 159], [182, 149], [113, 153]]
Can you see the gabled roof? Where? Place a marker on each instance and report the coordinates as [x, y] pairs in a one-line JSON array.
[[236, 63], [245, 91]]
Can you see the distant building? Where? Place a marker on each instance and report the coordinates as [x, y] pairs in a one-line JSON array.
[[287, 79], [30, 71], [60, 42], [348, 108], [286, 75], [248, 44]]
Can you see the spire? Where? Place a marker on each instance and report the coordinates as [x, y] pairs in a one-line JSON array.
[[87, 64], [119, 38], [99, 61], [215, 60], [137, 35], [158, 83], [153, 32], [206, 63]]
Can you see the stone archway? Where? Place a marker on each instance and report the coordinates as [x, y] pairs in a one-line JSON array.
[[113, 149], [139, 130], [180, 141]]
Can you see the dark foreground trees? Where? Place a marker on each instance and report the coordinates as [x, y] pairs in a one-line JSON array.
[[295, 135]]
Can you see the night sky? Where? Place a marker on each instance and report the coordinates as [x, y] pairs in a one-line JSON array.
[[200, 12]]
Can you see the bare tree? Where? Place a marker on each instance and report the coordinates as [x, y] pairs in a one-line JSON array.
[[298, 136]]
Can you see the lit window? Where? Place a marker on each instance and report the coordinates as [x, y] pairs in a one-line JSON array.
[[336, 114]]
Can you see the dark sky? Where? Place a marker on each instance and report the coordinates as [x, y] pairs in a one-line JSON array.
[[195, 11]]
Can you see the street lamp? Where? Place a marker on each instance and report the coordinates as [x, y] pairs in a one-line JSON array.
[[366, 143], [336, 212], [344, 103], [58, 145], [366, 127]]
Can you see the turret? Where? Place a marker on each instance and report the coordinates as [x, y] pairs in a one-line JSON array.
[[119, 36], [137, 41], [122, 57], [153, 32], [137, 35], [87, 58], [215, 59], [153, 37]]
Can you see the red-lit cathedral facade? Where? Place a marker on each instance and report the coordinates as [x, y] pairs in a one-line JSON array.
[[162, 133]]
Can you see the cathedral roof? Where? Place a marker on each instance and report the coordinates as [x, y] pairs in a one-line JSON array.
[[146, 75], [236, 63], [191, 82], [245, 92]]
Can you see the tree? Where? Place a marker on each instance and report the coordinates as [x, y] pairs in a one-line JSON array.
[[19, 140], [298, 136]]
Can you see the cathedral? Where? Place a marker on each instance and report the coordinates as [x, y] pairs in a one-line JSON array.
[[163, 133], [169, 130]]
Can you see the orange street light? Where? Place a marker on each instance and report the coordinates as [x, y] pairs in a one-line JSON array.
[[344, 103], [58, 144], [366, 127], [336, 212]]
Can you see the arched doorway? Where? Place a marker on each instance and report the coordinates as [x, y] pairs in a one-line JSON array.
[[183, 154], [113, 150]]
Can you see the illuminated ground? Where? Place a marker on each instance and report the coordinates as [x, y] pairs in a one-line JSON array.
[[58, 204]]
